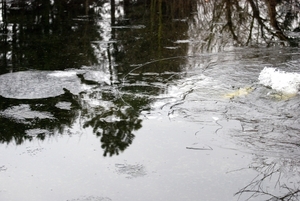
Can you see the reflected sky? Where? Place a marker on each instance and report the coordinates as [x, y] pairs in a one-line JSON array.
[[161, 170]]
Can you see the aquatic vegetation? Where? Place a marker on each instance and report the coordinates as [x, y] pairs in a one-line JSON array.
[[240, 92]]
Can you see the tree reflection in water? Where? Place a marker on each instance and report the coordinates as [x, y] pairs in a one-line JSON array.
[[112, 116], [220, 24], [113, 119], [18, 116]]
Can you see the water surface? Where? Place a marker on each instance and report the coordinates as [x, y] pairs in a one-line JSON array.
[[142, 101]]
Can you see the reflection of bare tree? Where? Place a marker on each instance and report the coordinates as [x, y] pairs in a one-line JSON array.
[[272, 182], [270, 129], [219, 24]]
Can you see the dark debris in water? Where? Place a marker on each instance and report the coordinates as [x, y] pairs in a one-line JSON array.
[[3, 168], [131, 171], [200, 148], [33, 151]]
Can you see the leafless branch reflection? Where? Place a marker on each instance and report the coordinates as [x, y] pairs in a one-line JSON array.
[[220, 24], [274, 181]]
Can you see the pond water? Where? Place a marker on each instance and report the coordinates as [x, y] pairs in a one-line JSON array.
[[149, 100]]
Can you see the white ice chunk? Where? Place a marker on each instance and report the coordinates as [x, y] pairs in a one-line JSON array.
[[63, 73], [280, 81]]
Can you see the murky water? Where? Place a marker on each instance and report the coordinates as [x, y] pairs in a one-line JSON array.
[[146, 101]]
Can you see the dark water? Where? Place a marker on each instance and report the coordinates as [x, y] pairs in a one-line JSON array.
[[147, 100]]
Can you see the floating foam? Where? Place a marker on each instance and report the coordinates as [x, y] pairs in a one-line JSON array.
[[284, 82]]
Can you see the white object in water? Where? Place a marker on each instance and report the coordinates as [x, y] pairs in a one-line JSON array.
[[287, 83], [63, 73]]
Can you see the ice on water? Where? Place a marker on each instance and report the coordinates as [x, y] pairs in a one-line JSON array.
[[63, 73], [284, 82], [44, 84]]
